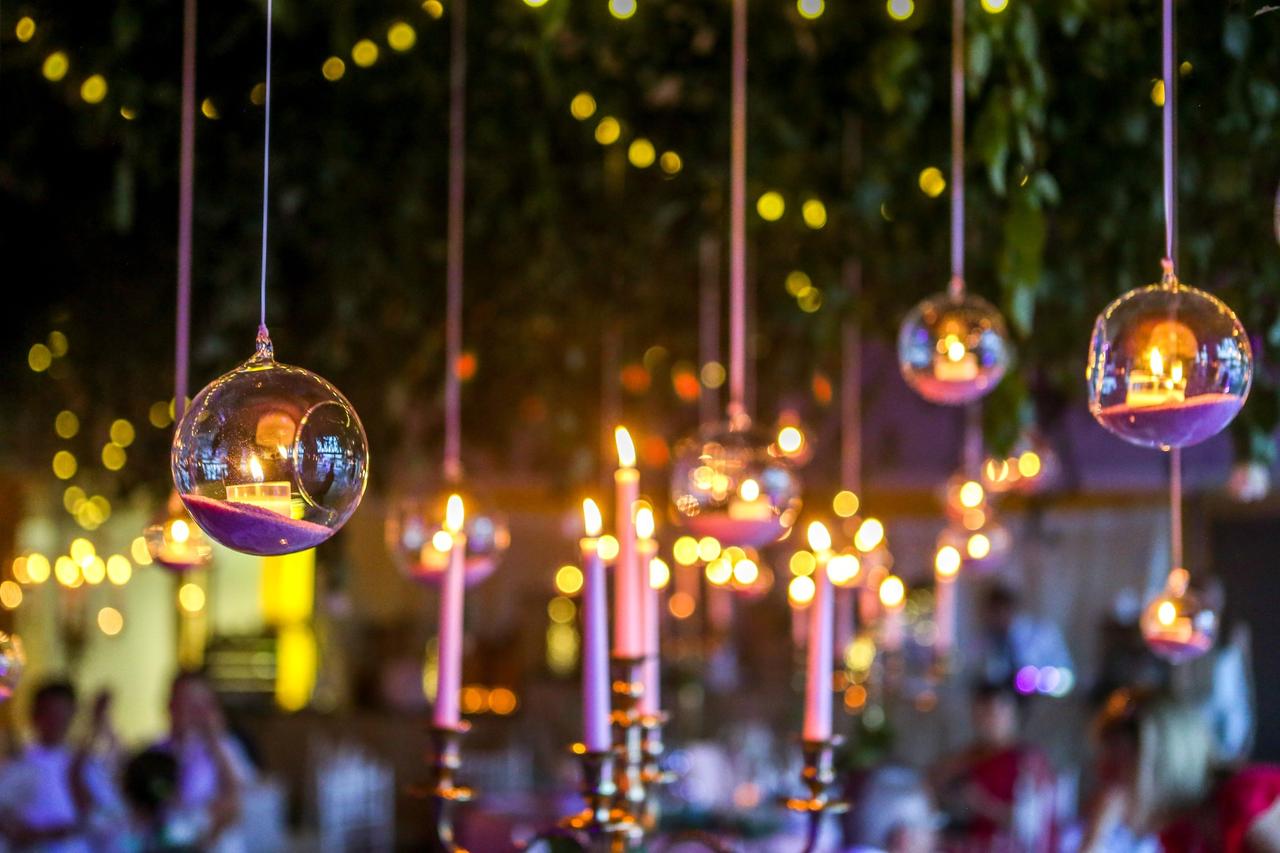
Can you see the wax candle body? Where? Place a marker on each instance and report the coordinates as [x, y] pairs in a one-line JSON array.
[[628, 626], [846, 602], [817, 693], [945, 613], [891, 628], [449, 665], [595, 652], [651, 698]]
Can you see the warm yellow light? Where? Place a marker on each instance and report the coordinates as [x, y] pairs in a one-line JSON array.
[[364, 53], [110, 621], [813, 211], [94, 571], [659, 573], [568, 579], [973, 519], [900, 10], [454, 514], [191, 598], [670, 162], [626, 447], [971, 494], [1029, 464], [947, 561], [138, 550], [685, 551], [713, 374], [535, 3], [607, 547], [869, 536], [802, 563], [81, 550], [1157, 93], [771, 206], [719, 571], [810, 300], [25, 29], [583, 106], [608, 130], [955, 348], [113, 456], [800, 591], [442, 541], [209, 109], [810, 9], [790, 439], [502, 701], [644, 522], [591, 521], [58, 343], [10, 595], [561, 610], [995, 7], [746, 572], [641, 153], [55, 66], [622, 9], [258, 94], [749, 490], [1166, 613], [128, 113], [892, 591], [844, 569], [333, 69], [979, 546], [819, 537], [93, 89], [158, 414], [119, 570], [845, 504], [122, 432], [38, 568], [401, 36], [66, 424], [434, 8], [39, 357], [708, 548], [681, 605], [798, 282], [67, 572]]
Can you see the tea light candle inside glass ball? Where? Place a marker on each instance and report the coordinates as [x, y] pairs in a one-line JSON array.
[[13, 660], [270, 458], [953, 349], [420, 544], [1179, 624], [1169, 365], [729, 482], [1030, 468], [177, 542]]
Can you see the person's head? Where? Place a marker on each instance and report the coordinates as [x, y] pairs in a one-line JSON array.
[[1159, 749], [999, 606], [893, 812], [995, 714], [53, 709], [150, 782], [191, 701]]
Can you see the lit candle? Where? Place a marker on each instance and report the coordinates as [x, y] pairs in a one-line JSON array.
[[646, 552], [1152, 387], [845, 626], [746, 504], [449, 669], [628, 625], [946, 565], [893, 596], [817, 694], [597, 735], [274, 495], [954, 362]]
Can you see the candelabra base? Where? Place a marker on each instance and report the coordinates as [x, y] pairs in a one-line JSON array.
[[819, 778], [444, 793]]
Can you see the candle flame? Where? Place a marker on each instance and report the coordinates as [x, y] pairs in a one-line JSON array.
[[819, 537], [626, 448], [892, 591], [1166, 613], [454, 514], [179, 531], [955, 349], [1175, 371], [1156, 361], [255, 469], [592, 523], [644, 522]]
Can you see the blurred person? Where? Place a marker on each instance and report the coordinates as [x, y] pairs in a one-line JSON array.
[[999, 791], [212, 768], [892, 813], [56, 799], [1010, 638], [150, 782], [1157, 783]]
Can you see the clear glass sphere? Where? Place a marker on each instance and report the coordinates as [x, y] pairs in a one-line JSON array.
[[13, 660], [953, 349], [176, 542], [1179, 624], [729, 483], [1030, 468], [1169, 366], [419, 543], [270, 458]]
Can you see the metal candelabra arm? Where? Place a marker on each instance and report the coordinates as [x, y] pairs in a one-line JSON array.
[[444, 793], [819, 778]]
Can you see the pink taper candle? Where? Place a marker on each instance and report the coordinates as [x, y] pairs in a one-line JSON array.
[[817, 690], [893, 595], [628, 625], [449, 664], [646, 550], [945, 566], [596, 736]]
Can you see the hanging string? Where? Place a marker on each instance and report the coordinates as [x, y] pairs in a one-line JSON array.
[[738, 217], [186, 206], [1168, 115], [956, 287], [454, 260], [266, 172]]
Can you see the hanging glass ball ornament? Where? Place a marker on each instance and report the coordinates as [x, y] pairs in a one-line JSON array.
[[1031, 467], [729, 482], [270, 458], [1179, 624], [13, 660], [965, 499], [176, 542], [420, 544], [982, 550], [1169, 365], [953, 348]]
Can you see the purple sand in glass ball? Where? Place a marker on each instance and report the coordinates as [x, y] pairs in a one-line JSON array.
[[1179, 651], [254, 530], [1178, 424], [745, 533]]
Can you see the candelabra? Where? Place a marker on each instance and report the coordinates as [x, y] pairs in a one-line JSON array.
[[444, 793], [628, 724], [819, 778]]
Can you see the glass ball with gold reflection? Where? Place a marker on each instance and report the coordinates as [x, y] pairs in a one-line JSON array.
[[953, 349], [1180, 623], [176, 542], [270, 458], [420, 545]]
